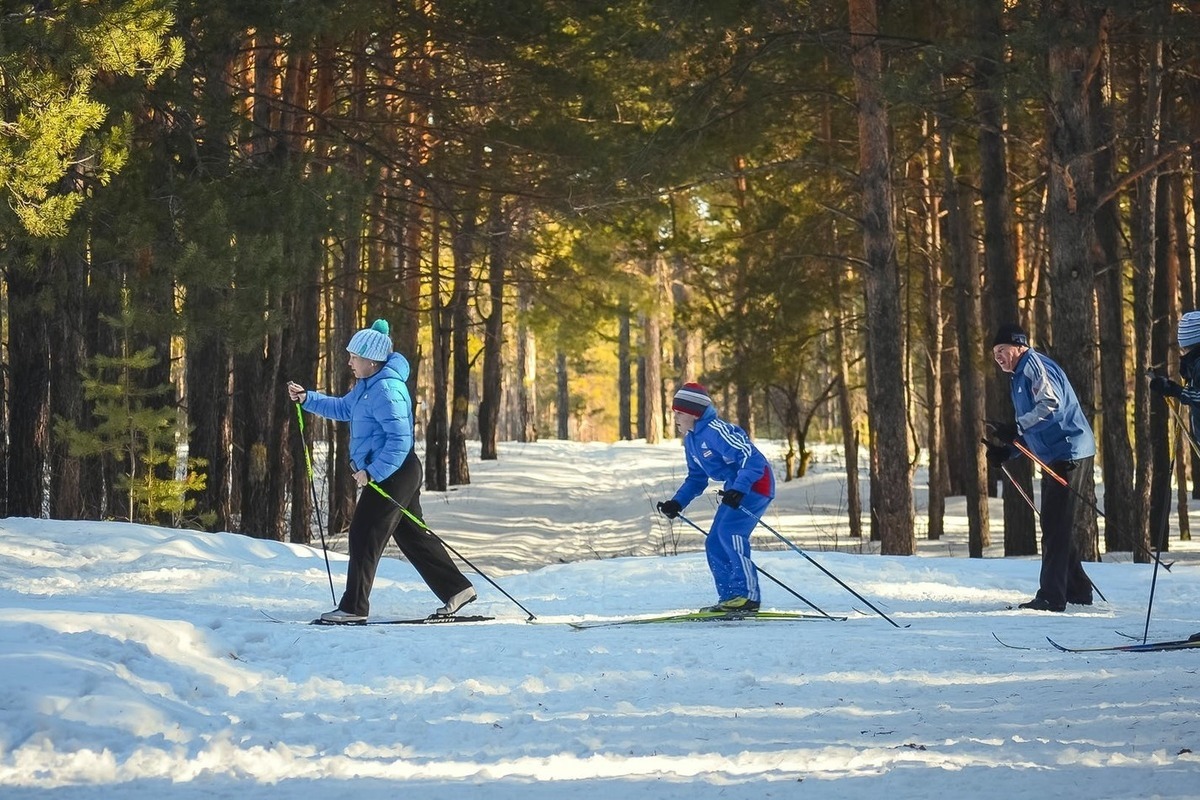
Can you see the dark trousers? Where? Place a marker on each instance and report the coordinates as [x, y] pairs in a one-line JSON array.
[[1063, 579], [375, 519]]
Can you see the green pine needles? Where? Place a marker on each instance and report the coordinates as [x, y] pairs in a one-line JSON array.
[[138, 433]]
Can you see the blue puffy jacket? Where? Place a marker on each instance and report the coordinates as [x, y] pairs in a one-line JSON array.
[[721, 451], [1050, 420], [380, 413]]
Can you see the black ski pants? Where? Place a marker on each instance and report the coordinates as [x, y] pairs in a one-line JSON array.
[[375, 519], [1063, 579]]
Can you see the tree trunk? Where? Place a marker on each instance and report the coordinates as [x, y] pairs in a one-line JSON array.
[[969, 308], [1150, 421], [1000, 263], [492, 388], [624, 380], [1071, 222], [892, 492], [526, 372], [463, 249], [1116, 448], [437, 430], [845, 409], [926, 225], [562, 395], [29, 381], [76, 487]]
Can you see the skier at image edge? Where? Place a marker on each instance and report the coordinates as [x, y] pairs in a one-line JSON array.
[[1189, 370], [721, 451]]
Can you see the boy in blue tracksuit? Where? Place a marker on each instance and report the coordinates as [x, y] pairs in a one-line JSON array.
[[380, 414], [718, 450], [1051, 425]]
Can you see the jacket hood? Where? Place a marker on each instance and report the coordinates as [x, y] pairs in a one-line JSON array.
[[396, 364]]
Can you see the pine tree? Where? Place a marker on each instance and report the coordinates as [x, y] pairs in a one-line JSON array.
[[136, 429]]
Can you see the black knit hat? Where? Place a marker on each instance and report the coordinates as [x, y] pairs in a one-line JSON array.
[[1011, 333]]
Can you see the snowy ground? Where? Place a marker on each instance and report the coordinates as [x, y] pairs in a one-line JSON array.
[[137, 662]]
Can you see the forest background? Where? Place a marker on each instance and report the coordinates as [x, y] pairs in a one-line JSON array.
[[820, 209]]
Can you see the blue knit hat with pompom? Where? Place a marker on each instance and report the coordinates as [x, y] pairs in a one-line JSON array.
[[373, 343]]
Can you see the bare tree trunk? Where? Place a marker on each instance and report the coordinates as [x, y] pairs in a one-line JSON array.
[[834, 268], [1150, 421], [935, 445], [624, 378], [29, 381], [969, 307], [1000, 261], [563, 395], [1070, 219], [845, 409], [463, 249], [492, 389], [526, 373], [437, 429], [1116, 449], [650, 391], [885, 349], [76, 490]]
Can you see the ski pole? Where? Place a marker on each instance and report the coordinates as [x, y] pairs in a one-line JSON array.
[[445, 544], [1021, 490], [765, 574], [1174, 409], [1090, 504], [1166, 524], [816, 564], [316, 503]]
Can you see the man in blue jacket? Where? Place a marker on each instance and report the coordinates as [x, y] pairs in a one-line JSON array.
[[720, 451], [1050, 424], [380, 414]]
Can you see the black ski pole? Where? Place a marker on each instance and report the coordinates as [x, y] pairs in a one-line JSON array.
[[766, 574], [1038, 515], [316, 502], [1025, 450], [816, 564], [1166, 525], [421, 524]]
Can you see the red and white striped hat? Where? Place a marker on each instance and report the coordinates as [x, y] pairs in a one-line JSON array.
[[692, 398]]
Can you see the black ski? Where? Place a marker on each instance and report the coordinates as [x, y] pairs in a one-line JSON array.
[[1148, 647], [433, 619]]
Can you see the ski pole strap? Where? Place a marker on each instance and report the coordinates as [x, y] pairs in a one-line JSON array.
[[307, 457]]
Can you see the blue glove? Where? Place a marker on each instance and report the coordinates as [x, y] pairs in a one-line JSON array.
[[670, 508], [732, 498]]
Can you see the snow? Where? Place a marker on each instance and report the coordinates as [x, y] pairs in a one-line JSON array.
[[138, 662]]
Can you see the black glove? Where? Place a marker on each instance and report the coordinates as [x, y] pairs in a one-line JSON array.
[[1004, 431], [1165, 386], [997, 454], [670, 508], [732, 498]]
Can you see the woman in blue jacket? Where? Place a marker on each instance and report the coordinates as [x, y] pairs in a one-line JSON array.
[[718, 450], [380, 414], [1051, 424]]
